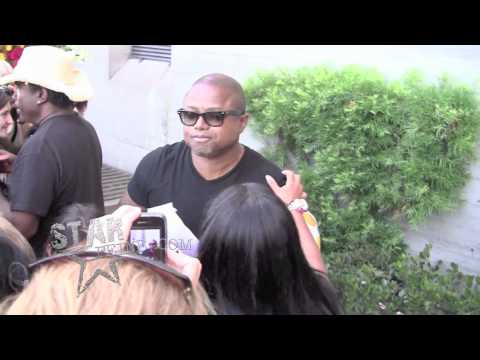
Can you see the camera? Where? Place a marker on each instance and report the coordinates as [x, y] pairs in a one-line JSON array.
[[148, 236]]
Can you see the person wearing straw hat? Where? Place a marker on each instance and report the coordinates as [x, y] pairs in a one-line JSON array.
[[61, 163]]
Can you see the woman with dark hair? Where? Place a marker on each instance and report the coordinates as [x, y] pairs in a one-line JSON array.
[[7, 121], [13, 132], [258, 257]]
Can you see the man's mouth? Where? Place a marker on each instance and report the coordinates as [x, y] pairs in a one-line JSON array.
[[200, 139]]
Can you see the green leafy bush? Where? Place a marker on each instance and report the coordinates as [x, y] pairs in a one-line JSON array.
[[372, 154]]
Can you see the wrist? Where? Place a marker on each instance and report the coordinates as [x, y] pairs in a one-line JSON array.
[[298, 205]]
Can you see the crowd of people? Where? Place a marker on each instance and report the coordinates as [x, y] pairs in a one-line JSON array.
[[257, 254]]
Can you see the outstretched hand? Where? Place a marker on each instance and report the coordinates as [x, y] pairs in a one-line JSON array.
[[293, 188]]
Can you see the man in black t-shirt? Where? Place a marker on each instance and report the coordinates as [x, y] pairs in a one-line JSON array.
[[192, 172], [61, 162]]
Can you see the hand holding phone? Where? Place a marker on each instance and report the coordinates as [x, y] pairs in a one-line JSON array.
[[148, 236]]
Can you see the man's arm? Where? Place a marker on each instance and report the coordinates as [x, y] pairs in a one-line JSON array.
[[26, 223], [127, 200]]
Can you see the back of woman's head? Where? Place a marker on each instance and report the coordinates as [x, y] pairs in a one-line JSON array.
[[53, 289], [252, 257], [15, 255]]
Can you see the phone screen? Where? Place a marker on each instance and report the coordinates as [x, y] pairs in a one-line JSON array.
[[148, 237]]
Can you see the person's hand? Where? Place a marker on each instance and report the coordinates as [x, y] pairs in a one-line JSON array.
[[293, 188], [121, 220], [6, 161], [127, 215], [186, 265]]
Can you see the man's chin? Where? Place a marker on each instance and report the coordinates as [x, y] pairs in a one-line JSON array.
[[202, 150], [205, 153]]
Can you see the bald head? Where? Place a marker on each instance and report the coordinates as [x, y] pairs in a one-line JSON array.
[[228, 84]]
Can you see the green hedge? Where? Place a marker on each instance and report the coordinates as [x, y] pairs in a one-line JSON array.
[[373, 154]]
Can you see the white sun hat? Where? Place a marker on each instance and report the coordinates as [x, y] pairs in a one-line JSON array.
[[51, 68]]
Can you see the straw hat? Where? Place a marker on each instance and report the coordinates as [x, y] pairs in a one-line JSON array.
[[5, 68], [51, 68]]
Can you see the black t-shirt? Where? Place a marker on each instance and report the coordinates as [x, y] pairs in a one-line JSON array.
[[167, 174], [60, 164]]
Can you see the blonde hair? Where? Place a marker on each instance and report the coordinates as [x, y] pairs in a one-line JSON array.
[[5, 68], [142, 291]]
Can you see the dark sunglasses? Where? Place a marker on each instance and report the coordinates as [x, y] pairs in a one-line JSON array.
[[212, 118]]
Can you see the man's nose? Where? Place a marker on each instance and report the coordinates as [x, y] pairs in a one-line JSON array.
[[201, 124]]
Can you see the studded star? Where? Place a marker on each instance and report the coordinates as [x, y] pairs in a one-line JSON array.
[[112, 276]]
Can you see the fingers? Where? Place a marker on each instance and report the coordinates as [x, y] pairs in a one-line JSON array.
[[290, 176], [272, 183], [193, 270], [128, 214], [185, 264]]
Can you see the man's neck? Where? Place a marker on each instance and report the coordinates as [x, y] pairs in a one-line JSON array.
[[211, 169], [50, 111]]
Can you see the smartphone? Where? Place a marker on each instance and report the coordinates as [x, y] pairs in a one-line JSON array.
[[148, 236]]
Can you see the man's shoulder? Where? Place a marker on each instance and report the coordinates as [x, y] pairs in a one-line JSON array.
[[62, 129], [163, 155], [260, 160], [35, 145], [260, 166], [166, 151]]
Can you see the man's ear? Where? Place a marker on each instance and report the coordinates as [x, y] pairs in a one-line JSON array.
[[42, 96], [244, 121]]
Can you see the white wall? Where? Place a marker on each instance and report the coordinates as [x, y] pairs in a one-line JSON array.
[[135, 111], [129, 110]]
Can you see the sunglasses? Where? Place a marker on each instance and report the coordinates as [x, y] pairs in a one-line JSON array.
[[157, 266], [212, 118]]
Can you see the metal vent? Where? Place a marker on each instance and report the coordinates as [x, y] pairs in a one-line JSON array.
[[152, 52]]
